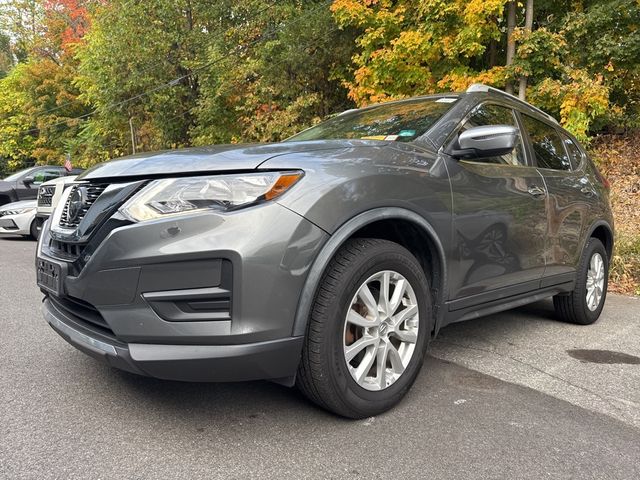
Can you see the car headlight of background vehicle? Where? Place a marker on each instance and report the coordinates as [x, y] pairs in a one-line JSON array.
[[17, 211], [174, 196]]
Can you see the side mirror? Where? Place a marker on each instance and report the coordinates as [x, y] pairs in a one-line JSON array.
[[28, 181], [485, 141]]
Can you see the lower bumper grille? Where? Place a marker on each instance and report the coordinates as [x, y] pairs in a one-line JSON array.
[[84, 314], [8, 224], [66, 251]]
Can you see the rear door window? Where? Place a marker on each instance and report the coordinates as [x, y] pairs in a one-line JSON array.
[[575, 154], [547, 145]]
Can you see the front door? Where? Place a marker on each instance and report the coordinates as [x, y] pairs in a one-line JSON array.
[[499, 219]]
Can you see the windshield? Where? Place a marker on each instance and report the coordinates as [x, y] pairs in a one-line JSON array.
[[17, 175], [397, 121]]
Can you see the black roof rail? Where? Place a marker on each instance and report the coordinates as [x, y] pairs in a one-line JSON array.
[[480, 87]]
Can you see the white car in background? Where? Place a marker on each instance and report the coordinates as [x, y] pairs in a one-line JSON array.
[[19, 218], [49, 195]]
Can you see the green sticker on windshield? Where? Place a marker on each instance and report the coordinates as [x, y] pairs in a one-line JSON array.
[[407, 133]]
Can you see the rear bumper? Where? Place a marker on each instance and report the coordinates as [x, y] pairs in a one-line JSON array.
[[275, 359]]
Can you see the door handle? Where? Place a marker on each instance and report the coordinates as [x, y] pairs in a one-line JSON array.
[[536, 191]]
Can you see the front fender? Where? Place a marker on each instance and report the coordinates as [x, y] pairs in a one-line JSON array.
[[340, 236]]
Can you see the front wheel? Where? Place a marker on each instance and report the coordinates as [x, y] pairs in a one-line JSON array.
[[369, 329], [584, 304], [34, 231]]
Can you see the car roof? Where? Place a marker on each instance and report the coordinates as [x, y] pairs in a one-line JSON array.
[[403, 100], [472, 91]]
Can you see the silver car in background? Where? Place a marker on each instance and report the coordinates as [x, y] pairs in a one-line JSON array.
[[18, 218]]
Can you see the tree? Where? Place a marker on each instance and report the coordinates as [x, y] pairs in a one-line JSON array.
[[289, 76], [511, 41], [528, 27], [80, 75], [6, 55], [16, 139], [39, 92], [203, 73], [417, 47], [22, 21], [605, 40]]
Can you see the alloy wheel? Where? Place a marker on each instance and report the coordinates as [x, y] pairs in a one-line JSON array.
[[595, 281], [381, 330]]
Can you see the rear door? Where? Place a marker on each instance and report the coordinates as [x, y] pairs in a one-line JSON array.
[[559, 161], [499, 219]]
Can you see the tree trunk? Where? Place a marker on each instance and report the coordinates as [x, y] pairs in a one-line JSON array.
[[493, 53], [511, 44], [528, 26]]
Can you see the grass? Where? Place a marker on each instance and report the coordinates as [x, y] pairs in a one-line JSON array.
[[625, 266]]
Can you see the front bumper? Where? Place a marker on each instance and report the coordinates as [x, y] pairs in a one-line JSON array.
[[17, 224], [275, 359], [208, 297]]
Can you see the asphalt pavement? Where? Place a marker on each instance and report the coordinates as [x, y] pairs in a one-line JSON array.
[[514, 395]]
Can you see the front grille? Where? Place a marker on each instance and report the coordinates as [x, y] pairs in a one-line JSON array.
[[79, 202], [83, 313], [45, 195]]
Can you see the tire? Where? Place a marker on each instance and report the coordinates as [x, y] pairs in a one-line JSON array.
[[324, 374], [34, 231], [575, 307]]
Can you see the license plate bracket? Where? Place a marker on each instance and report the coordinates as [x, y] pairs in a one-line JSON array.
[[50, 276]]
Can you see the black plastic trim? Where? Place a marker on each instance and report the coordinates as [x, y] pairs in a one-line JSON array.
[[271, 360], [191, 305], [493, 295]]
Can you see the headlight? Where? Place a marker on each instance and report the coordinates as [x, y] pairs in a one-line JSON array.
[[174, 196], [18, 211]]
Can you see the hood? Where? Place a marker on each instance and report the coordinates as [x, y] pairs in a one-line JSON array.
[[216, 158], [61, 180], [18, 205]]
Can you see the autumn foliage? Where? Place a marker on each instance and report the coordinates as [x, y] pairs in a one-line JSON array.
[[428, 46], [96, 79]]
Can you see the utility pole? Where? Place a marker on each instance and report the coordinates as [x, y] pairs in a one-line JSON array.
[[528, 26], [511, 43], [133, 135]]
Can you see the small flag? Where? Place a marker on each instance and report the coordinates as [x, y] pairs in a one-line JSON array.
[[67, 163]]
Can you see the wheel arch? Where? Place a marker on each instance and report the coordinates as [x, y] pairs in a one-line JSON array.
[[603, 232], [368, 224]]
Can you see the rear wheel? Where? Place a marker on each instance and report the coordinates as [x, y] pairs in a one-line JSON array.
[[585, 303], [369, 329]]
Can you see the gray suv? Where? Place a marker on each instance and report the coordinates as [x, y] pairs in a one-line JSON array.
[[328, 261]]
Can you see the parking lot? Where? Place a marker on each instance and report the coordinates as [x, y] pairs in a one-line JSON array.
[[513, 395]]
